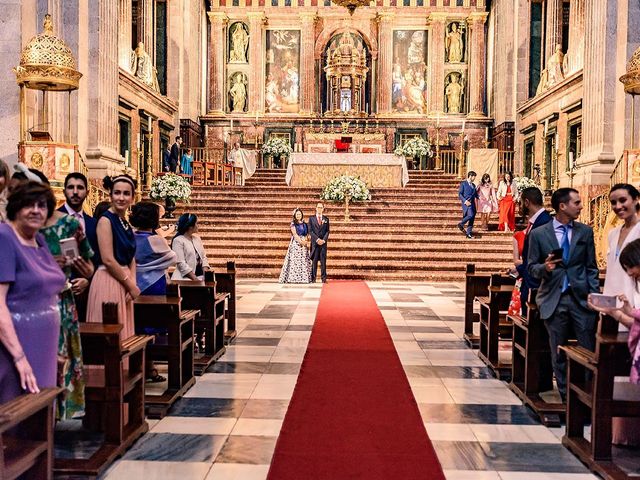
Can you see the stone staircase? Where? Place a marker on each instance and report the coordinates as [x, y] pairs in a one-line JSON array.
[[401, 234]]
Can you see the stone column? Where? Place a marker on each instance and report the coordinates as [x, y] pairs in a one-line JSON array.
[[307, 77], [102, 84], [477, 74], [385, 64], [598, 103], [553, 28], [256, 82], [216, 61], [124, 34], [438, 25], [145, 27], [575, 54]]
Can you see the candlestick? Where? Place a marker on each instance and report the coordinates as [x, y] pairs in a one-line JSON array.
[[438, 120], [149, 124], [256, 117], [231, 126], [486, 134], [463, 125]]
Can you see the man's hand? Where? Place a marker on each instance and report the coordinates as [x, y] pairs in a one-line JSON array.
[[79, 285], [320, 241], [551, 262], [467, 203]]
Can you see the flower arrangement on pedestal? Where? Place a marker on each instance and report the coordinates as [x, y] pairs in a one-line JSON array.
[[170, 187], [276, 147], [414, 148], [345, 189], [525, 182]]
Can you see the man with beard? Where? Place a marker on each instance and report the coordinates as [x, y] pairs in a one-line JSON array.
[[75, 193], [531, 206]]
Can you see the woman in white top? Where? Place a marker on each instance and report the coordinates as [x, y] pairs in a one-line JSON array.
[[625, 203], [507, 196], [192, 259]]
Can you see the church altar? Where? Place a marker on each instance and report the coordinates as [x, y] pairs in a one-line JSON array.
[[375, 169]]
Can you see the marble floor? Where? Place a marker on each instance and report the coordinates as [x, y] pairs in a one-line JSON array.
[[227, 425]]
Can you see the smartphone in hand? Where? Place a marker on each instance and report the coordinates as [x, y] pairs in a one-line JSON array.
[[557, 254], [605, 301]]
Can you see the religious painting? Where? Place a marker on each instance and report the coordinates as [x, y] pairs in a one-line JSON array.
[[454, 42], [282, 81], [409, 71]]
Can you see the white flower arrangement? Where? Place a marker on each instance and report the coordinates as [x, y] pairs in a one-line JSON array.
[[338, 187], [414, 147], [170, 185], [276, 146], [525, 182]]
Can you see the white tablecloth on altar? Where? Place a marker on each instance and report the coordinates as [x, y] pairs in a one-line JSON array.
[[347, 159]]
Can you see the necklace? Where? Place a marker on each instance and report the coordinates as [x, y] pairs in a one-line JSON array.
[[124, 223]]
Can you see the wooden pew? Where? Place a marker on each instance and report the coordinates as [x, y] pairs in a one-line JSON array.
[[114, 393], [202, 296], [27, 451], [476, 285], [531, 369], [226, 283], [597, 398], [164, 312], [493, 323]]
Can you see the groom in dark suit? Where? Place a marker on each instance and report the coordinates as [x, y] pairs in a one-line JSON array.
[[566, 280], [319, 228], [467, 193]]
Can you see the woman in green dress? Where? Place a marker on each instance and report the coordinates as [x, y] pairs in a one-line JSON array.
[[78, 270]]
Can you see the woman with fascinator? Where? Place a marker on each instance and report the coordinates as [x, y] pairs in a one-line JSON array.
[[191, 257], [297, 264]]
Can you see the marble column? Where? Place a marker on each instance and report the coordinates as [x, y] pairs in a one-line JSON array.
[[307, 77], [477, 73], [216, 61], [438, 25], [598, 102], [256, 55], [575, 53], [102, 83], [124, 34], [385, 64], [145, 26], [553, 28]]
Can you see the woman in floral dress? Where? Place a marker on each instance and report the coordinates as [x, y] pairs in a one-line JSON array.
[[297, 264], [70, 375]]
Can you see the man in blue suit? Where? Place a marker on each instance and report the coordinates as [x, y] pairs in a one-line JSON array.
[[532, 207], [467, 193], [75, 193]]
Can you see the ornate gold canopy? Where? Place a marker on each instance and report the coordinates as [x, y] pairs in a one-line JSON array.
[[47, 63], [631, 79], [351, 5]]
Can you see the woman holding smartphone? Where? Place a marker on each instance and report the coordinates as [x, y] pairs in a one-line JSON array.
[[115, 279], [625, 203]]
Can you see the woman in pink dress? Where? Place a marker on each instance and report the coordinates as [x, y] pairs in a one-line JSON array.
[[487, 202], [507, 198]]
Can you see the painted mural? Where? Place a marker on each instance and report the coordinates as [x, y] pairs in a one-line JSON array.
[[282, 76], [409, 73]]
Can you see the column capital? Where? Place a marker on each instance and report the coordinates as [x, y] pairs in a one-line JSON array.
[[439, 17], [385, 17], [478, 17], [218, 17], [308, 17]]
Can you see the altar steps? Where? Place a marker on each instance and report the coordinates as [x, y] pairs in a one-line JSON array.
[[401, 234]]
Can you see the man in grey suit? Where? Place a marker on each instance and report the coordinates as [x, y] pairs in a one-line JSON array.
[[565, 280]]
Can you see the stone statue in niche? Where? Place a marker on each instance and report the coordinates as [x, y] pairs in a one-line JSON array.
[[454, 43], [238, 93], [454, 92], [239, 43], [554, 73], [142, 67]]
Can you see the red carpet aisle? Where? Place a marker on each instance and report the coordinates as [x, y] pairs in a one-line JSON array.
[[352, 414]]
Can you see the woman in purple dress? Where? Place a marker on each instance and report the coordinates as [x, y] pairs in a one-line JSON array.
[[30, 281]]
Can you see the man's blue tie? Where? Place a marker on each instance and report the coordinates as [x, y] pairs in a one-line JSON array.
[[566, 247]]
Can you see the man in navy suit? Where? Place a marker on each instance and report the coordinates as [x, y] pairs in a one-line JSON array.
[[531, 206], [319, 228], [467, 193], [174, 158]]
